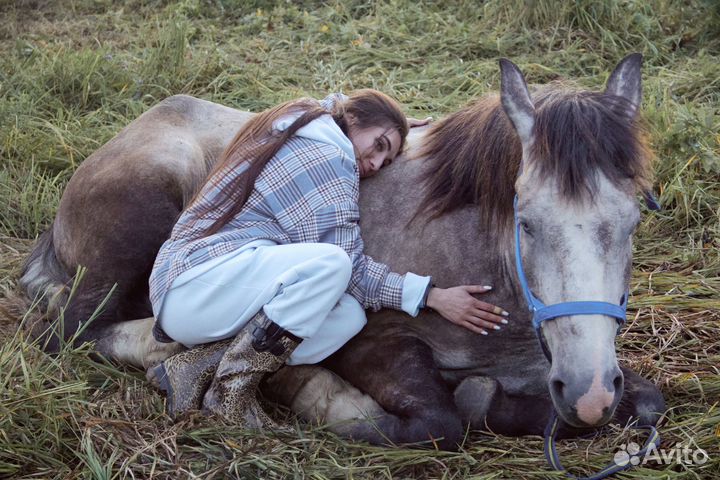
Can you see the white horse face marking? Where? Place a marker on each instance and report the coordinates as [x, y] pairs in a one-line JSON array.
[[579, 251]]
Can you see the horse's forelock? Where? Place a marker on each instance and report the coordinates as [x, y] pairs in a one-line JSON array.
[[578, 134], [475, 154]]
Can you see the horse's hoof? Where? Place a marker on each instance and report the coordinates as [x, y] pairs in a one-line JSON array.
[[157, 352], [153, 375]]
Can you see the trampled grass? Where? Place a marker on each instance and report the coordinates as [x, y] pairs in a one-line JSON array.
[[73, 73]]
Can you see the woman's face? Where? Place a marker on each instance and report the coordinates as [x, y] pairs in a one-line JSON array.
[[374, 147]]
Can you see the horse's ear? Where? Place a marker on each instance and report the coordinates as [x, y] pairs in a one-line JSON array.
[[626, 81], [516, 100]]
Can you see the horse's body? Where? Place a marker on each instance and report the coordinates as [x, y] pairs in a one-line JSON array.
[[419, 378]]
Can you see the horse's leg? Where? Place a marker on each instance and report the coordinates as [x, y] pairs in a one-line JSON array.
[[484, 404], [132, 342], [641, 401], [73, 316], [79, 318], [319, 396], [401, 375]]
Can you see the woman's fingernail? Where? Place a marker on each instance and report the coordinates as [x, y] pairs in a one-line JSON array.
[[505, 314], [496, 327], [484, 332], [487, 287], [503, 321]]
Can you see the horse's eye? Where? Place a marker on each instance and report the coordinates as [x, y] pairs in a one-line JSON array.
[[526, 228]]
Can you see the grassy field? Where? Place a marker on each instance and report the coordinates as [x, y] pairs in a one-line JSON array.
[[74, 72]]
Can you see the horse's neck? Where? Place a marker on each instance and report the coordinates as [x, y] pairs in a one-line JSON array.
[[453, 248]]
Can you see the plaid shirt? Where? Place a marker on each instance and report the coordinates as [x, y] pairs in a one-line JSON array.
[[307, 193]]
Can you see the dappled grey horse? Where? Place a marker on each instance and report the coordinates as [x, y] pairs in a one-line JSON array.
[[576, 161]]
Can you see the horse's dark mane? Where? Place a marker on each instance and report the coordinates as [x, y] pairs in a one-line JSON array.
[[475, 154]]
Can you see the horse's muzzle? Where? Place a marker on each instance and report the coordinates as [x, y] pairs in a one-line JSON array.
[[586, 398]]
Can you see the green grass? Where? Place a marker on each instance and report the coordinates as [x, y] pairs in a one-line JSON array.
[[74, 72]]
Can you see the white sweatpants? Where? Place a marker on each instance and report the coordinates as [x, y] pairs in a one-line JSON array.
[[299, 286]]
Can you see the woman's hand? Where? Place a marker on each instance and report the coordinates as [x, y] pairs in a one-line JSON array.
[[458, 305], [414, 122]]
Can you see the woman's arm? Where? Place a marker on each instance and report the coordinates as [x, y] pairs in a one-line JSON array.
[[333, 217], [374, 285]]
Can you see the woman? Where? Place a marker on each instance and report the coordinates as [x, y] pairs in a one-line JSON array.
[[266, 266]]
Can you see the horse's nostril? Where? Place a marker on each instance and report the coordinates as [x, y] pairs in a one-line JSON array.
[[558, 388], [618, 382]]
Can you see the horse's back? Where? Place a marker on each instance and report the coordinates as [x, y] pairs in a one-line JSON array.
[[177, 141]]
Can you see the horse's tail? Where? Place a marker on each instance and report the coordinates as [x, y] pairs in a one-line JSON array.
[[43, 279]]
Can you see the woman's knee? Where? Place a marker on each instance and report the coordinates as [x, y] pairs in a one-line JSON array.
[[354, 318], [336, 264]]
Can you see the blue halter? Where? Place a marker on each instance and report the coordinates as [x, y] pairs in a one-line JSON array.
[[542, 312]]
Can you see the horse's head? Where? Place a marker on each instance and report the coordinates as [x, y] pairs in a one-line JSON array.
[[583, 160]]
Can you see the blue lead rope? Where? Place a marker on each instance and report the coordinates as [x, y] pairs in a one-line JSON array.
[[542, 313], [553, 459]]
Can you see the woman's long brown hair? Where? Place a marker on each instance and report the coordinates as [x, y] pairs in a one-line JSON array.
[[256, 143]]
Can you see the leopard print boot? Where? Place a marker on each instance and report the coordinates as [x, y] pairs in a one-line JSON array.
[[186, 376], [260, 348]]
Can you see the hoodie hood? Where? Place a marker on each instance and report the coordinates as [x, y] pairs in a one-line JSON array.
[[322, 129]]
